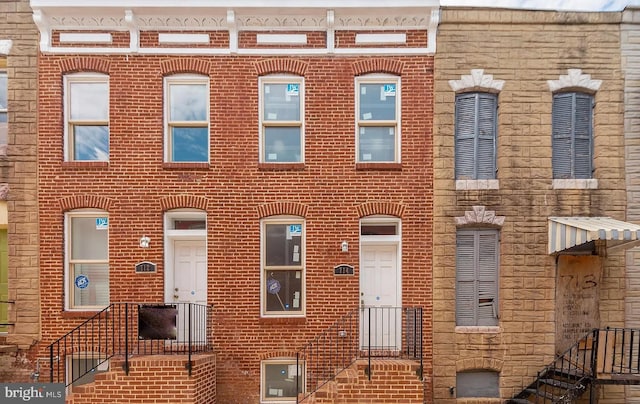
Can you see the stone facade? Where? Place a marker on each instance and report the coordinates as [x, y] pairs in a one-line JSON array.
[[19, 36], [523, 56]]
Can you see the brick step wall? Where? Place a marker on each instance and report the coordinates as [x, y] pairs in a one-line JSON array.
[[154, 379], [392, 381]]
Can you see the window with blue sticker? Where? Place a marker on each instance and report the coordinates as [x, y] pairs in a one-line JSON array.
[[378, 121], [281, 117], [283, 267]]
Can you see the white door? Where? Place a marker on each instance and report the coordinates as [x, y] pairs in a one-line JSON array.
[[190, 286], [380, 312]]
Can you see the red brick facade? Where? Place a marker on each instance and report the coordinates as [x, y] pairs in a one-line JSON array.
[[328, 190]]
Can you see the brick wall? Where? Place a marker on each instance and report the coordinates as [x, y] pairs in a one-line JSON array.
[[525, 49], [152, 379], [236, 191]]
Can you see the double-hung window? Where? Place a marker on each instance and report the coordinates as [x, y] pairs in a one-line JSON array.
[[572, 143], [87, 259], [477, 277], [378, 119], [281, 119], [283, 267], [475, 136], [86, 117], [186, 119], [281, 379]]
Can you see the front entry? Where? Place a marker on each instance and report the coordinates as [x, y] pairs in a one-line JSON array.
[[188, 284], [380, 312]]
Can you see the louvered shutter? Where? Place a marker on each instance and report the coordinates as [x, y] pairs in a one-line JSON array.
[[466, 296], [465, 136], [487, 272], [562, 129], [486, 136], [583, 135]]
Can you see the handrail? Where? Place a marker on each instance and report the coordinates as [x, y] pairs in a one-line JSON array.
[[128, 329], [365, 332]]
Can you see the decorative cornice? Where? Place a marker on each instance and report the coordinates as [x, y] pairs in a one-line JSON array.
[[476, 80], [574, 79], [480, 216]]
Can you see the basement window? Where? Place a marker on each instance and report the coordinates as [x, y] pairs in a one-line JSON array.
[[281, 380], [477, 383], [82, 367]]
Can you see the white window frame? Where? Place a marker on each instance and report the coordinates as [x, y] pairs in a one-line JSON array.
[[263, 382], [263, 267], [185, 79], [69, 145], [68, 262], [396, 123], [265, 123]]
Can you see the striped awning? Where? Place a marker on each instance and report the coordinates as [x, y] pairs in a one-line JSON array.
[[579, 234]]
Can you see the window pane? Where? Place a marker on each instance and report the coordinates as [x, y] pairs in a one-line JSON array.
[[89, 240], [189, 144], [84, 364], [281, 102], [90, 284], [378, 230], [183, 224], [89, 101], [188, 102], [91, 143], [377, 143], [281, 379], [284, 290], [477, 384], [3, 92], [282, 144], [283, 244], [378, 102]]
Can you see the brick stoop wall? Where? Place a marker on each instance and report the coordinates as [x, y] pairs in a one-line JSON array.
[[152, 379], [392, 381]]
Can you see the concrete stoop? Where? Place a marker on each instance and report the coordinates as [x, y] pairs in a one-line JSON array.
[[392, 381]]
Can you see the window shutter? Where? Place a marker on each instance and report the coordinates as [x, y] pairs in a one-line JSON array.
[[465, 136], [562, 129], [465, 279], [487, 114], [583, 135], [487, 277]]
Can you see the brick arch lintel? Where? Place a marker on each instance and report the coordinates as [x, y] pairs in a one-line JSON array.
[[282, 208], [381, 208], [277, 354], [185, 65], [377, 65], [479, 364], [184, 201], [85, 201], [271, 66], [84, 64]]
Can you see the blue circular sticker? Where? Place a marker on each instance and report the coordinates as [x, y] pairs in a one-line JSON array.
[[273, 286], [82, 281]]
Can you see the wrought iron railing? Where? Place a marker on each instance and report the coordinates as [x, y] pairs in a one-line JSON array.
[[126, 329], [366, 332]]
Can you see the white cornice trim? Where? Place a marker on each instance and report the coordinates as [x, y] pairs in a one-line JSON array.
[[243, 15]]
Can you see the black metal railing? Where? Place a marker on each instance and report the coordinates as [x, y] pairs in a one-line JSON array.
[[618, 353], [126, 329], [366, 332]]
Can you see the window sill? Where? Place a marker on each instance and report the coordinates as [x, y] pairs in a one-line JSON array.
[[591, 183], [186, 166], [92, 165], [281, 166], [80, 314], [282, 320], [379, 166], [469, 329], [466, 185]]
